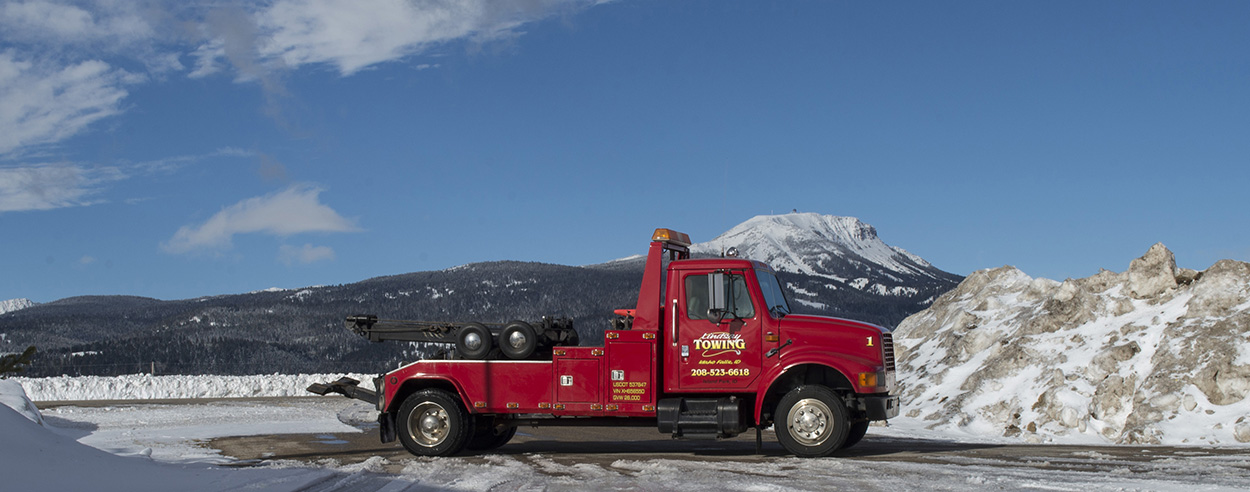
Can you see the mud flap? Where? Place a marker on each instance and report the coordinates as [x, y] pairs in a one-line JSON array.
[[386, 427]]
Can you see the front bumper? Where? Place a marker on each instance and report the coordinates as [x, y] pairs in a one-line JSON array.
[[881, 407]]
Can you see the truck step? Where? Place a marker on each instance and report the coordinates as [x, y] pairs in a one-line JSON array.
[[701, 418]]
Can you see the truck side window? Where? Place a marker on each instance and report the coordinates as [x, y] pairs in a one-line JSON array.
[[696, 297], [739, 296]]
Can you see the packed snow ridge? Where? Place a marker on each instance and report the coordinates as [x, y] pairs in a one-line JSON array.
[[1153, 355], [148, 387]]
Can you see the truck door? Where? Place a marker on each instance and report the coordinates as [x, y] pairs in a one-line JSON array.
[[711, 353]]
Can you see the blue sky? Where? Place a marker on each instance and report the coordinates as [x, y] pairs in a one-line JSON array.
[[181, 149]]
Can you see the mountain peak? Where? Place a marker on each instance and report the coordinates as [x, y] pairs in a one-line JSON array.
[[15, 304], [845, 253], [783, 240], [813, 223]]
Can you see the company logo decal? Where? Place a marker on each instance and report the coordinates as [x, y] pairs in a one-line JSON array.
[[720, 343]]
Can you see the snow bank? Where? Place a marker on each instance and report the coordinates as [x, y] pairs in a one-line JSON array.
[[36, 458], [12, 396], [147, 387], [1155, 355]]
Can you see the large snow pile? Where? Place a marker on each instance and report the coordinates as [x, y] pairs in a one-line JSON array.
[[1156, 354], [145, 387]]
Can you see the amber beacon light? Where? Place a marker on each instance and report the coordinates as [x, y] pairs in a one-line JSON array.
[[672, 237]]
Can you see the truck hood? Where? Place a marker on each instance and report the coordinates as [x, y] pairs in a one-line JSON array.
[[808, 322]]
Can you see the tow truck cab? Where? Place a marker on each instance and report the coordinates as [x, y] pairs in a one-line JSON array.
[[710, 350]]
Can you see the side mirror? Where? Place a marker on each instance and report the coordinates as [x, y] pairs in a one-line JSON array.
[[718, 301]]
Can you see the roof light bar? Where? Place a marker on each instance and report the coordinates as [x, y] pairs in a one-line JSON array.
[[672, 237]]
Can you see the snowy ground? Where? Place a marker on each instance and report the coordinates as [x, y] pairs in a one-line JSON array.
[[159, 446]]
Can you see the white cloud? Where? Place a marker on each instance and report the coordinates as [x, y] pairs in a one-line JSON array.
[[291, 255], [352, 37], [109, 24], [54, 84], [45, 187], [59, 185], [44, 102], [46, 19], [294, 210]]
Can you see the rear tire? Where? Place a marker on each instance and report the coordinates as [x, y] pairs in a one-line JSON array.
[[811, 421], [432, 422], [487, 436], [518, 340], [473, 341]]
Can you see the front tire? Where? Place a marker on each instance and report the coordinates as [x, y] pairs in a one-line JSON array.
[[432, 422], [811, 421]]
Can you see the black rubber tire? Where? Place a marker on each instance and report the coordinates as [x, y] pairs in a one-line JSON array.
[[465, 341], [811, 421], [855, 434], [432, 422], [518, 340], [487, 436]]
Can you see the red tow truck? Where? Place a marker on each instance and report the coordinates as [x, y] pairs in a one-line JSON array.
[[710, 351]]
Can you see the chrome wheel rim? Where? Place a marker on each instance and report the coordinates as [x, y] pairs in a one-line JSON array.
[[428, 424], [472, 341], [516, 339], [809, 422]]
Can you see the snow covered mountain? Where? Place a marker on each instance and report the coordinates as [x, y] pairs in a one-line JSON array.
[[14, 305], [1155, 354], [832, 258]]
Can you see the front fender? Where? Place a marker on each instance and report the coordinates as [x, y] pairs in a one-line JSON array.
[[781, 377]]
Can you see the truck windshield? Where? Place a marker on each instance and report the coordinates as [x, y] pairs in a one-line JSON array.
[[777, 305]]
